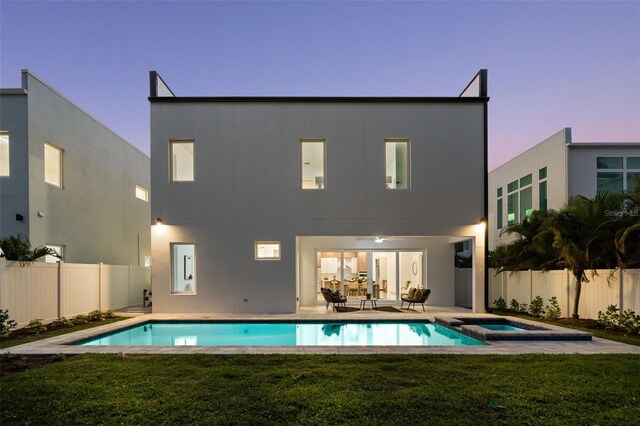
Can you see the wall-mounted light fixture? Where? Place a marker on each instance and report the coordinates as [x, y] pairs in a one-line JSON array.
[[19, 217], [379, 240], [483, 220], [41, 213], [159, 221]]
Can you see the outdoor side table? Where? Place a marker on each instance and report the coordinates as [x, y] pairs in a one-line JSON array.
[[363, 303]]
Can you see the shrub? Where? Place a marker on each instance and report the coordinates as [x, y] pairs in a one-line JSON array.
[[552, 311], [518, 307], [630, 322], [610, 318], [36, 326], [536, 307], [79, 320], [501, 304], [109, 314], [6, 324], [95, 316], [61, 323]]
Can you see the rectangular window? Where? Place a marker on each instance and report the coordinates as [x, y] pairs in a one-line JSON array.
[[525, 180], [397, 161], [609, 162], [632, 162], [543, 195], [633, 180], [183, 268], [526, 204], [52, 165], [313, 163], [512, 209], [610, 181], [542, 173], [499, 192], [499, 213], [4, 153], [512, 186], [58, 249], [142, 194], [182, 161], [267, 250]]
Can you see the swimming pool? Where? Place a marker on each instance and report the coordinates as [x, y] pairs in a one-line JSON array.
[[181, 333], [501, 327]]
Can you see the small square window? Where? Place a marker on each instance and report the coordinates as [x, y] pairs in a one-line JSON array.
[[4, 153], [182, 161], [59, 249], [52, 165], [632, 162], [398, 163], [142, 194], [512, 186], [609, 162], [526, 180], [267, 250], [542, 173]]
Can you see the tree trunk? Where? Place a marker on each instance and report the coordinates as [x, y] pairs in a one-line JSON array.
[[576, 300]]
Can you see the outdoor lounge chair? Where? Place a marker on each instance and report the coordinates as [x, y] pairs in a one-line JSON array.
[[335, 298], [422, 298]]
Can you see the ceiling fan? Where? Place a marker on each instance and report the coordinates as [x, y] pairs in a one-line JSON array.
[[379, 239]]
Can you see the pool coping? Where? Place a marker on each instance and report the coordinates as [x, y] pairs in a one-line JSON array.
[[533, 331], [62, 344]]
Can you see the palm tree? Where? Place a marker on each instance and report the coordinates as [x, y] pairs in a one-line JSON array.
[[628, 238], [532, 248], [584, 231], [19, 249]]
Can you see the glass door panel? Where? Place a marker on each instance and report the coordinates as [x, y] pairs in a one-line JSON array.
[[355, 284], [328, 271], [410, 270], [384, 271]]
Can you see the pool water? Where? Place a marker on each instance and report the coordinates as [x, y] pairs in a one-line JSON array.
[[501, 327], [171, 333]]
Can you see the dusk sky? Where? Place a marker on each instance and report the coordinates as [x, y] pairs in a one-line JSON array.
[[551, 64]]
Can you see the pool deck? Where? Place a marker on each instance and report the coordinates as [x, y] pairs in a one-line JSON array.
[[61, 344]]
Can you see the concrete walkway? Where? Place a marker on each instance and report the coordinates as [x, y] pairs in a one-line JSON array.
[[62, 344]]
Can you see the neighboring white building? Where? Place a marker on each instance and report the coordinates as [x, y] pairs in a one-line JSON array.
[[547, 175], [69, 182], [264, 200]]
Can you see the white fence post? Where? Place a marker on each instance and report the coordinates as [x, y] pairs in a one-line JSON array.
[[621, 297], [100, 286], [59, 286]]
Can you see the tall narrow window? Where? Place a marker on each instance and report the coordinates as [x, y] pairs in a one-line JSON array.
[[4, 153], [512, 203], [182, 161], [542, 188], [633, 173], [142, 194], [398, 163], [499, 222], [52, 165], [183, 268], [313, 163]]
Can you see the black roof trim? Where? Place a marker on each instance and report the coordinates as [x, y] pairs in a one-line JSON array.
[[354, 99]]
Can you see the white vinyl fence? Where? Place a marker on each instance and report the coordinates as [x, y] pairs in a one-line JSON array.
[[53, 290], [605, 287]]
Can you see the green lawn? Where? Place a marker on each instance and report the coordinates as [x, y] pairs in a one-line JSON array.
[[32, 338], [292, 389]]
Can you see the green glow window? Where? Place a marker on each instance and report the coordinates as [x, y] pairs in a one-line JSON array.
[[512, 209]]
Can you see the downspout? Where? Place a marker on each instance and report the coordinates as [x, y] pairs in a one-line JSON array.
[[484, 92]]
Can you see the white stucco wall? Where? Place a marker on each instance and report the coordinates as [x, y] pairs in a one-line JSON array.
[[550, 153], [95, 215], [247, 189]]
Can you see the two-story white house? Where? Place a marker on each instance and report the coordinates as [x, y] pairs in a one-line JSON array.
[[259, 202], [548, 174]]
